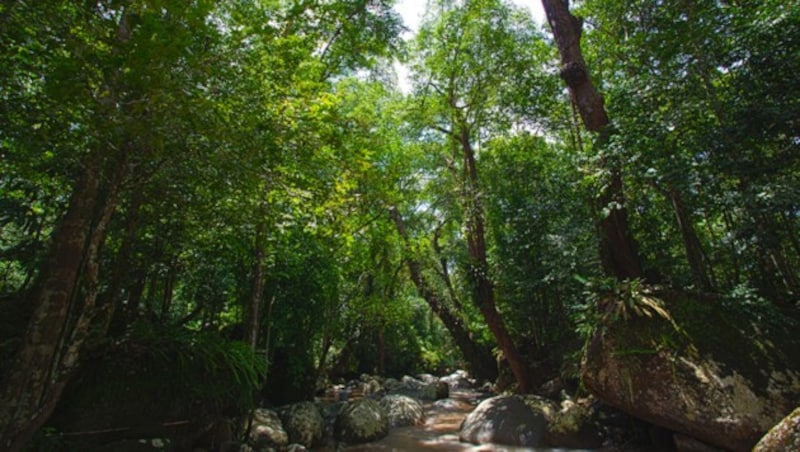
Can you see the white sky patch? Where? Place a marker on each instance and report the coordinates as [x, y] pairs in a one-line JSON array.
[[412, 12]]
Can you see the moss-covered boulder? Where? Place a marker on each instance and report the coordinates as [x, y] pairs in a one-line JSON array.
[[703, 367], [361, 421], [303, 423], [402, 410]]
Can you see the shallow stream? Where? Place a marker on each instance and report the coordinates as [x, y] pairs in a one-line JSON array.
[[438, 433]]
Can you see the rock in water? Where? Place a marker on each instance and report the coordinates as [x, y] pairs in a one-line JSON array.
[[784, 436], [705, 371], [504, 420], [361, 421], [435, 390], [267, 430], [303, 423], [402, 410]]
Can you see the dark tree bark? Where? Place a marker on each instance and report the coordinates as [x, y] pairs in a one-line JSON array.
[[618, 250], [691, 243], [698, 262], [478, 273], [479, 359], [121, 274], [253, 314], [169, 288], [64, 298], [702, 273]]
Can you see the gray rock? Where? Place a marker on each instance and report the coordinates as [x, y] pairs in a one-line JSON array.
[[370, 387], [266, 429], [504, 420], [705, 372], [303, 423], [427, 378], [391, 385], [417, 389], [402, 410], [458, 380], [361, 421], [782, 437]]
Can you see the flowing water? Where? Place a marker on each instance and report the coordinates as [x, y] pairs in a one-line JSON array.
[[438, 433]]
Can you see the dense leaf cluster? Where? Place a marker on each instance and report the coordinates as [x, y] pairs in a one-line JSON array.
[[250, 170]]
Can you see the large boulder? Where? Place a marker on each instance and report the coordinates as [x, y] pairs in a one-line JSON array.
[[402, 410], [361, 421], [782, 437], [303, 423], [695, 367], [504, 420], [266, 430]]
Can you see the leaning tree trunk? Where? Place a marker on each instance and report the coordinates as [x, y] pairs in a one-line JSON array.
[[478, 273], [64, 298], [478, 358], [618, 250]]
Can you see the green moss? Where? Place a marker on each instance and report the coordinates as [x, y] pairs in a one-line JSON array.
[[711, 329]]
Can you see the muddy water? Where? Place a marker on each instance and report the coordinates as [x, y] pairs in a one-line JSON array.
[[438, 433]]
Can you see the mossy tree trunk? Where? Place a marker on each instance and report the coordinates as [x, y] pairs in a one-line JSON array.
[[64, 298]]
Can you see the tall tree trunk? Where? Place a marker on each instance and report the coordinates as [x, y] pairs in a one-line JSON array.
[[695, 255], [112, 299], [169, 288], [478, 358], [444, 273], [65, 308], [479, 274], [777, 271], [253, 314], [381, 351], [618, 250]]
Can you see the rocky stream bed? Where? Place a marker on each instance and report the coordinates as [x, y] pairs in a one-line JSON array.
[[453, 414]]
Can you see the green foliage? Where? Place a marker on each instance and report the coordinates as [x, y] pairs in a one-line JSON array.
[[541, 235], [765, 318], [699, 98], [267, 133], [192, 365], [155, 375], [609, 301]]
